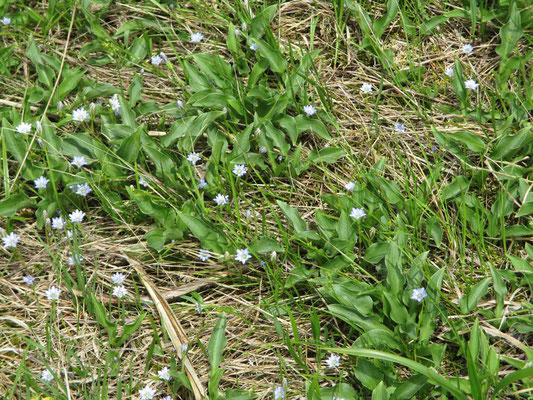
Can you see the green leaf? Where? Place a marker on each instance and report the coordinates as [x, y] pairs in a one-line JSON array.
[[381, 24], [327, 155], [468, 139], [408, 389], [217, 342], [101, 317], [210, 238], [265, 245], [69, 81], [10, 206], [458, 84], [510, 33], [231, 41], [368, 374], [294, 217], [376, 252], [458, 186], [508, 145], [380, 392], [525, 209], [432, 375], [135, 90], [275, 60], [128, 330], [156, 239], [469, 303], [304, 123], [262, 21], [236, 394]]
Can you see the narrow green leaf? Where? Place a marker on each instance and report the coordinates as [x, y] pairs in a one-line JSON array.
[[217, 342]]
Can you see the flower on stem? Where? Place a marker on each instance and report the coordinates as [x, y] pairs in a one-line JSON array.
[[83, 189], [58, 223], [46, 376], [240, 170], [357, 213], [333, 360], [309, 110], [204, 255], [41, 182], [53, 293], [197, 37], [118, 278], [279, 393], [471, 84], [243, 255], [24, 128], [349, 186], [11, 240], [156, 60], [76, 216], [366, 88], [147, 393], [400, 128], [164, 374], [449, 71], [419, 294], [193, 158], [78, 161], [119, 291], [28, 280], [467, 48], [80, 115], [221, 199]]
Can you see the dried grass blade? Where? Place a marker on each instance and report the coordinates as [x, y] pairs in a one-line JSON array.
[[173, 327]]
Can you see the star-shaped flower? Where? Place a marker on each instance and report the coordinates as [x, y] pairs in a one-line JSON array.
[[40, 182], [357, 213], [24, 128]]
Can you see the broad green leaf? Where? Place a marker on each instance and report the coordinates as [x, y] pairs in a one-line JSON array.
[[327, 155], [470, 140], [69, 81], [276, 61], [231, 41], [509, 145], [128, 330], [10, 206], [376, 252], [294, 217], [432, 375], [101, 316], [510, 33], [409, 388], [457, 187], [381, 24], [265, 245], [217, 342], [262, 20], [380, 392], [368, 374], [469, 302]]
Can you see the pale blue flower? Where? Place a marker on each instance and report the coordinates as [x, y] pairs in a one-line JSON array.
[[309, 110], [243, 255], [357, 213], [419, 294], [197, 37], [41, 182], [11, 240]]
